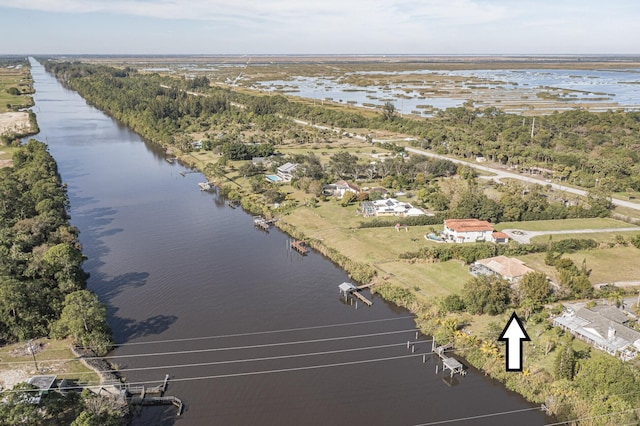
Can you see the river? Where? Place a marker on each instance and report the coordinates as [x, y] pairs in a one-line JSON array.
[[179, 270]]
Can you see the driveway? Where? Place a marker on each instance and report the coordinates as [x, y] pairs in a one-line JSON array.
[[524, 237]]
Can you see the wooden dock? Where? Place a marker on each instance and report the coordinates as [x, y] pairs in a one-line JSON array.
[[158, 400], [347, 289], [363, 299], [448, 363], [300, 247], [261, 223], [137, 395]]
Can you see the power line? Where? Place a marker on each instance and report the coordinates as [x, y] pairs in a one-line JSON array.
[[592, 417], [190, 351], [237, 361], [480, 416], [254, 333]]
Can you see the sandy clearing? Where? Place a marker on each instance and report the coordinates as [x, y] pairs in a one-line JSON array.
[[14, 122], [10, 378]]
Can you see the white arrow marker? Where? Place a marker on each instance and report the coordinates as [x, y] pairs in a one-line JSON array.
[[514, 333]]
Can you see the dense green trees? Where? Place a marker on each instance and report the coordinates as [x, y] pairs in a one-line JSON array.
[[486, 295], [40, 257]]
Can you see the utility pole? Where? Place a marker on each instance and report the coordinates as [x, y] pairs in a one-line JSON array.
[[33, 354]]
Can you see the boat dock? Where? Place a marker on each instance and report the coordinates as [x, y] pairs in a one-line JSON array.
[[261, 223], [448, 363], [137, 395], [347, 289], [205, 186], [299, 246]]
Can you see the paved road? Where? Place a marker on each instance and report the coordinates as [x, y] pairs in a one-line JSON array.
[[500, 174], [524, 237]]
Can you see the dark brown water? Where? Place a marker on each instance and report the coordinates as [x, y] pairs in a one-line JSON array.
[[178, 269]]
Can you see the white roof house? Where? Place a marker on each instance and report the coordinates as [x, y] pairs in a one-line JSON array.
[[285, 172], [390, 207]]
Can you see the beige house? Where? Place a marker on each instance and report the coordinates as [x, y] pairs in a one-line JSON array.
[[508, 268]]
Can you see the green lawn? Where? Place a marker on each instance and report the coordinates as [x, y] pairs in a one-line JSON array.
[[431, 279], [607, 265], [602, 237], [54, 358], [564, 224], [14, 78]]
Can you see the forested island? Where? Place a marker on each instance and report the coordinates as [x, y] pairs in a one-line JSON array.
[[596, 151]]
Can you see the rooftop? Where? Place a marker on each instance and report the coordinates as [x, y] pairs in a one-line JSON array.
[[468, 225], [508, 267]]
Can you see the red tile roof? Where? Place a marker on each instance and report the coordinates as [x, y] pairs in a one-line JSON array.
[[468, 225], [500, 235]]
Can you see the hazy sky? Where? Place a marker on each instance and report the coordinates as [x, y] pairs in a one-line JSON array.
[[320, 26]]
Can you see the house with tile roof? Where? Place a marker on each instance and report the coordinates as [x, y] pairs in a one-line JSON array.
[[509, 268], [471, 230]]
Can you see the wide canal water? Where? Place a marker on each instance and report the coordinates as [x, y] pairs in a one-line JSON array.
[[179, 270]]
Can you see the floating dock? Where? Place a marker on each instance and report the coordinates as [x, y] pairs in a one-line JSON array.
[[347, 289]]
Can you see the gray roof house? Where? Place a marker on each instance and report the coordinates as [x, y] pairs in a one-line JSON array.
[[602, 327]]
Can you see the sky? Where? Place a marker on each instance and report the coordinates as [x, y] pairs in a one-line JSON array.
[[451, 27]]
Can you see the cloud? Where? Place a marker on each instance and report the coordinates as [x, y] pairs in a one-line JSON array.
[[362, 26], [278, 11]]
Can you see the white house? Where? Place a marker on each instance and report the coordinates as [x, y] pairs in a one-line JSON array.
[[389, 207], [286, 171], [339, 188], [472, 230]]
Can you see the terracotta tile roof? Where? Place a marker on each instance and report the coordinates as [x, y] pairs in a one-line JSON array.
[[499, 235], [508, 267], [468, 225]]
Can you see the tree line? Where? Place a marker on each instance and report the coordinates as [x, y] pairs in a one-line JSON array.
[[42, 284]]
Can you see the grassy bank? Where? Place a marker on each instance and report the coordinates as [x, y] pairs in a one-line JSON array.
[[53, 357]]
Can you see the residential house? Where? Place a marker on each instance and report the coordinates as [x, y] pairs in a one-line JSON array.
[[339, 188], [603, 327], [286, 171], [389, 207], [508, 268], [471, 230]]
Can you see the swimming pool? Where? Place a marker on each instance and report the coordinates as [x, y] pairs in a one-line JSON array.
[[273, 178]]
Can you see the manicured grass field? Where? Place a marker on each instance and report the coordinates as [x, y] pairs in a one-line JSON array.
[[564, 225]]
